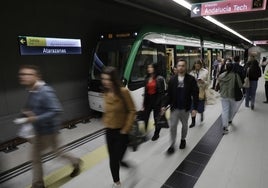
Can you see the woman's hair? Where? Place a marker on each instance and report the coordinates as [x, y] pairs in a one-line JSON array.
[[199, 61], [229, 67], [155, 67], [117, 84]]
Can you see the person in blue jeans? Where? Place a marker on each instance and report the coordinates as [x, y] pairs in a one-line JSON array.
[[253, 73]]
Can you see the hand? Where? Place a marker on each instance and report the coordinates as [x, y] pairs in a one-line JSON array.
[[31, 117], [163, 110], [123, 132]]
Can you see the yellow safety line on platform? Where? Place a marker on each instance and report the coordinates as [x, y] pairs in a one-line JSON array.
[[62, 175]]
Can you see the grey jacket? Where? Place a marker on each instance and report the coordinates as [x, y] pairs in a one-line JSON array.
[[227, 84]]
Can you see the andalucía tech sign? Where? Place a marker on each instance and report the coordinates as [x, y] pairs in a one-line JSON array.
[[227, 7]]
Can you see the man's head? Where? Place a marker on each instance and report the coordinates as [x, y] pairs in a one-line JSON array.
[[181, 66], [28, 75]]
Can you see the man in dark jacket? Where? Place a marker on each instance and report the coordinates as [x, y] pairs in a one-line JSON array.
[[42, 109], [182, 92]]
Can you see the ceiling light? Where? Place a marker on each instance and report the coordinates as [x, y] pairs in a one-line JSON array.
[[187, 5]]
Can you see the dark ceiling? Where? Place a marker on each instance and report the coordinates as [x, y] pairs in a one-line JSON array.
[[252, 25]]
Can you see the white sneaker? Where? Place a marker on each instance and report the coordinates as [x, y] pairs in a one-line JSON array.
[[225, 130], [115, 185]]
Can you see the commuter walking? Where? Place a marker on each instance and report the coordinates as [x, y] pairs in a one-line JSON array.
[[201, 76], [253, 73], [182, 93], [227, 84], [263, 64], [153, 96], [42, 110], [118, 117], [266, 86]]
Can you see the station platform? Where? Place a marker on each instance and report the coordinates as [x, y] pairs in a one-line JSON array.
[[210, 159]]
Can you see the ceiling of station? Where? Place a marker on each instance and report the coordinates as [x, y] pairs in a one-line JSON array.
[[252, 25]]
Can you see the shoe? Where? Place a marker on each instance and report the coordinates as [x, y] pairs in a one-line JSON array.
[[225, 130], [183, 144], [124, 164], [192, 125], [39, 184], [265, 101], [115, 185], [155, 137], [247, 106], [76, 169], [230, 122], [252, 107], [170, 150]]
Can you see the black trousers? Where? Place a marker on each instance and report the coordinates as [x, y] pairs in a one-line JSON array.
[[148, 108], [117, 146], [266, 90]]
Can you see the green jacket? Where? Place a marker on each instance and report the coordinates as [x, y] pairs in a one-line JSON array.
[[227, 84]]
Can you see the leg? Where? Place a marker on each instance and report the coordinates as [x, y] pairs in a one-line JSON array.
[[184, 116], [37, 149], [113, 142], [174, 119], [266, 90], [225, 112], [247, 97], [157, 130], [254, 85], [147, 112]]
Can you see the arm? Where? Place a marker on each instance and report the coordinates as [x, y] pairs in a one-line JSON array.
[[131, 111]]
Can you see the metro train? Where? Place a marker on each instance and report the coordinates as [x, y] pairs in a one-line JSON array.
[[131, 51]]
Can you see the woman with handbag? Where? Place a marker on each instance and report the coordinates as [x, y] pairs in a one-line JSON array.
[[227, 81], [201, 76], [118, 118]]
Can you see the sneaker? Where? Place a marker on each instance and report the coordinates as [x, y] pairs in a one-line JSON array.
[[155, 137], [183, 144], [225, 130], [115, 185], [170, 150], [38, 184], [265, 101], [124, 164], [76, 169]]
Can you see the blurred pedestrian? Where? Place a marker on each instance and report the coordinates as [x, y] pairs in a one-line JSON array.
[[263, 64], [118, 117], [266, 86], [153, 96], [43, 109], [253, 73]]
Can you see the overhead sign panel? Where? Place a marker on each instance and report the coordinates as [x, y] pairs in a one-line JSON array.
[[227, 7], [48, 46], [260, 42]]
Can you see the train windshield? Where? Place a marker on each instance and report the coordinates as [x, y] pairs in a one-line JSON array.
[[111, 53]]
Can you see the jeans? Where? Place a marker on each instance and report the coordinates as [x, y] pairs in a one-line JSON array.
[[229, 107], [251, 93], [175, 116]]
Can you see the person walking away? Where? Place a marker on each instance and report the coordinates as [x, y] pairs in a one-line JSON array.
[[254, 72], [227, 83], [263, 64], [153, 96], [42, 109], [118, 117], [182, 93], [201, 76], [266, 86]]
